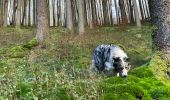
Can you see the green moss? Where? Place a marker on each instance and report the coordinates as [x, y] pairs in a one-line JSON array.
[[30, 44], [142, 72], [161, 93], [112, 96], [17, 52]]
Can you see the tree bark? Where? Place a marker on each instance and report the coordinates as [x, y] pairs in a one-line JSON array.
[[18, 12], [160, 17], [69, 19], [105, 11], [24, 12], [29, 13], [1, 14], [94, 16], [42, 28], [131, 12], [138, 22], [81, 17], [123, 12], [141, 9], [5, 12]]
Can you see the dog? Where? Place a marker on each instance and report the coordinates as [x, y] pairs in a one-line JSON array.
[[111, 60]]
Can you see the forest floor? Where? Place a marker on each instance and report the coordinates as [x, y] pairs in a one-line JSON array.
[[61, 70]]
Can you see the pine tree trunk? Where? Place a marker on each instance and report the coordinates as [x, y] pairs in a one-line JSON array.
[[123, 12], [69, 20], [94, 16], [131, 12], [5, 12], [141, 10], [24, 12], [81, 17], [18, 12], [29, 13], [138, 22], [42, 28], [160, 17], [34, 12], [1, 14], [105, 11]]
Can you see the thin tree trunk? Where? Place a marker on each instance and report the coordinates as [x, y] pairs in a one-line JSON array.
[[117, 14], [123, 12], [81, 17], [51, 12], [53, 3], [5, 12], [105, 11], [147, 9], [18, 18], [69, 19], [34, 12], [144, 10], [24, 13], [141, 10], [29, 13], [1, 12], [84, 5], [110, 12], [90, 14], [131, 11], [138, 23], [94, 15]]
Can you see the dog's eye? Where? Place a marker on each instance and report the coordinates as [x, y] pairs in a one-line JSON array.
[[117, 59], [126, 59]]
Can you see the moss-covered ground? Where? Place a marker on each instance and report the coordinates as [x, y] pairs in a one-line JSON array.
[[60, 71]]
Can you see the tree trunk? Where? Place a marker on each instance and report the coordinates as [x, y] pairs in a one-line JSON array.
[[29, 13], [105, 11], [1, 10], [138, 23], [85, 12], [131, 12], [117, 12], [94, 16], [81, 17], [123, 12], [42, 28], [18, 12], [34, 12], [141, 9], [160, 17], [69, 19], [24, 12], [5, 12]]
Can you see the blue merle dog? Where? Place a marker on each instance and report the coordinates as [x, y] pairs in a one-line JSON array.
[[111, 60]]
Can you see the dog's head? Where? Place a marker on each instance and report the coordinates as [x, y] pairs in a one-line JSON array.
[[122, 66], [120, 61]]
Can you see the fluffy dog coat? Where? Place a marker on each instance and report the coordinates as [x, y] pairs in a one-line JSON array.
[[111, 60]]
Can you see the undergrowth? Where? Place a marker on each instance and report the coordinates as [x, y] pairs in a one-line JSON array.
[[61, 70]]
